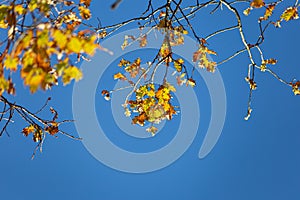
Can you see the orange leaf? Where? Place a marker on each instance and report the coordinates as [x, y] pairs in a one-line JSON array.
[[27, 130], [268, 13], [257, 3], [120, 76]]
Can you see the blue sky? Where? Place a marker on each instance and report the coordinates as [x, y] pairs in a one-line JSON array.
[[258, 159]]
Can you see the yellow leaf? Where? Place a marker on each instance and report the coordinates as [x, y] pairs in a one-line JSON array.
[[84, 12], [290, 13], [60, 38], [90, 45], [119, 76], [34, 79], [3, 25], [170, 87], [247, 11], [19, 9], [11, 63], [4, 85], [32, 5], [27, 130], [71, 73], [74, 45], [295, 87], [178, 64], [42, 38]]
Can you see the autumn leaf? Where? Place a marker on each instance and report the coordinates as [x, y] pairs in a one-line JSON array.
[[74, 45], [86, 2], [163, 93], [296, 87], [27, 130], [34, 78], [120, 76], [52, 130], [191, 82], [11, 63], [90, 45], [19, 9], [203, 60], [170, 87], [124, 63], [4, 85], [271, 61], [60, 38], [140, 119], [156, 113], [257, 3], [247, 11], [165, 52], [268, 12], [84, 12], [289, 14], [71, 73], [33, 5], [178, 64], [152, 130], [43, 38]]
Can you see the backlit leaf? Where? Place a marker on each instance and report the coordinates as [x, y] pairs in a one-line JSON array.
[[11, 63], [71, 73], [60, 38], [120, 76], [84, 12], [27, 130], [178, 64], [257, 3], [290, 13], [74, 45], [247, 11]]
